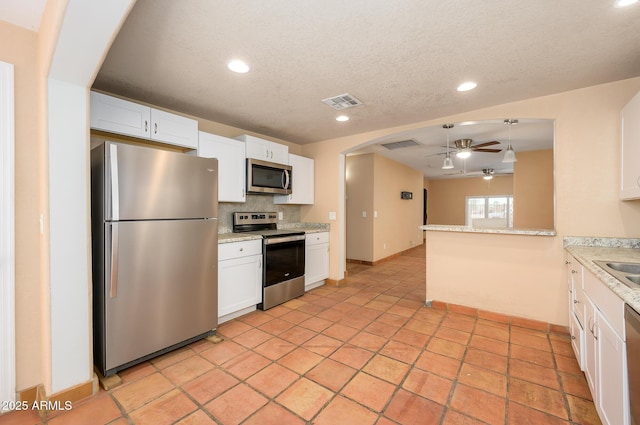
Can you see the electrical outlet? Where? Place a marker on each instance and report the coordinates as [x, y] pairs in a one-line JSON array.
[[364, 214], [384, 246], [375, 214]]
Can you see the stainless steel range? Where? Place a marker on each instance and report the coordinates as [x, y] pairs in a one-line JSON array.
[[283, 256]]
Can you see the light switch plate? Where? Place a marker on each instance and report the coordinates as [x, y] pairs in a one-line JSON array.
[[332, 215], [280, 215]]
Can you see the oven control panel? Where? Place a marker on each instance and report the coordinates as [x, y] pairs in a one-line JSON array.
[[241, 218]]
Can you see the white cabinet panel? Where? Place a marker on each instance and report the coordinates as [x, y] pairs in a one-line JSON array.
[[630, 176], [239, 277], [316, 264], [265, 150], [302, 182], [120, 116], [605, 353], [174, 129], [231, 165], [612, 399]]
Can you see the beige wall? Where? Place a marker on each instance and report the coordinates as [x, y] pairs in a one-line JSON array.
[[533, 190], [359, 198], [22, 51], [447, 197], [396, 227], [391, 223], [587, 134]]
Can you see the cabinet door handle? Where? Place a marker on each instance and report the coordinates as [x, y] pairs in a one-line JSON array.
[[567, 262], [573, 337], [241, 249], [259, 263], [146, 126], [595, 330], [576, 301], [155, 128], [573, 271]]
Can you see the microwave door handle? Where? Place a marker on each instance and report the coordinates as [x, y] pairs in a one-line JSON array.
[[286, 181]]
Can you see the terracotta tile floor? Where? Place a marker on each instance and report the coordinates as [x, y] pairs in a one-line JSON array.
[[369, 352]]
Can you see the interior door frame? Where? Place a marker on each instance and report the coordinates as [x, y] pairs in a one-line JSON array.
[[7, 242]]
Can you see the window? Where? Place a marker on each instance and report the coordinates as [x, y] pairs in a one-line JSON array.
[[489, 211]]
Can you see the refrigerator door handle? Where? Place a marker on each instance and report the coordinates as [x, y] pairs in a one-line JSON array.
[[115, 191], [113, 290]]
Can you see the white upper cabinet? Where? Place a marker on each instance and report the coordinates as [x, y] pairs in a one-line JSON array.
[[630, 176], [120, 116], [174, 129], [265, 150], [302, 182], [231, 165]]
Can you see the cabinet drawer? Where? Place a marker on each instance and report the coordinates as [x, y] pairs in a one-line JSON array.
[[316, 238], [577, 340], [611, 306], [227, 251]]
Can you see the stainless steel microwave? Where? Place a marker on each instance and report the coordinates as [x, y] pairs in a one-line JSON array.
[[265, 177]]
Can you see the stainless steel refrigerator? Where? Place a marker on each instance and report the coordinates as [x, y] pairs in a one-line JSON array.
[[155, 252]]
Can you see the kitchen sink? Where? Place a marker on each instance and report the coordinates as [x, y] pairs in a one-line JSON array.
[[633, 268], [626, 273]]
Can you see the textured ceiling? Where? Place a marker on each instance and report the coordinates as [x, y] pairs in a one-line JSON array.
[[403, 59]]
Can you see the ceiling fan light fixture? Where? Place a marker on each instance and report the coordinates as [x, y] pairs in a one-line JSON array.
[[448, 162], [488, 173], [464, 154], [509, 155]]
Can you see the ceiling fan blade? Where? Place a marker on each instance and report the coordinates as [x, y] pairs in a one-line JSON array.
[[487, 150], [481, 145]]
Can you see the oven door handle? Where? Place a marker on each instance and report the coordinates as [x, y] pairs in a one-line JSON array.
[[271, 241]]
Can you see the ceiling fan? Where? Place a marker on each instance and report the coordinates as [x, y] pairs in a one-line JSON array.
[[464, 147]]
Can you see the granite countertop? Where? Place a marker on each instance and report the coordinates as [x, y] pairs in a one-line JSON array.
[[229, 237], [491, 230], [588, 250]]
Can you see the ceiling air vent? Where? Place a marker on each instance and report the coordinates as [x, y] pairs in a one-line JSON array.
[[400, 144], [343, 101]]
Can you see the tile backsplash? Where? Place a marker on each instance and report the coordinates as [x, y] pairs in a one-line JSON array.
[[254, 203]]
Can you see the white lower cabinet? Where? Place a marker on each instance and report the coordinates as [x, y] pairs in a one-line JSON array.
[[316, 262], [605, 353], [239, 278], [576, 307]]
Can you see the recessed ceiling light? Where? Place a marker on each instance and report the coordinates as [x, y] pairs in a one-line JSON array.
[[342, 118], [238, 66], [469, 85], [624, 3]]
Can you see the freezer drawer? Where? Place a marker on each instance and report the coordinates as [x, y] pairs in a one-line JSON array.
[[156, 290], [140, 183]]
